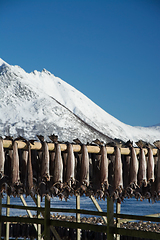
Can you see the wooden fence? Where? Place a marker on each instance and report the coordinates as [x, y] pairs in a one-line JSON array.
[[111, 227]]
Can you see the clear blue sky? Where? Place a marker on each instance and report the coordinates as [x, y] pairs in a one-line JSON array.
[[108, 50]]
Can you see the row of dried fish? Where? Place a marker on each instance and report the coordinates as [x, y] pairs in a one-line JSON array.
[[66, 173]]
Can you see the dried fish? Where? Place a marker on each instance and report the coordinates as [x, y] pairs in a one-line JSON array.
[[118, 181], [85, 166], [70, 177], [15, 164], [58, 165], [45, 162], [133, 165], [150, 165], [158, 175], [52, 159], [142, 178], [104, 167], [126, 170], [29, 176], [2, 158], [24, 161]]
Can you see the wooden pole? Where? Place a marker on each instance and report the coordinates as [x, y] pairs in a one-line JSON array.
[[47, 218], [38, 216], [7, 214], [98, 208], [118, 210], [51, 227], [78, 219], [110, 218]]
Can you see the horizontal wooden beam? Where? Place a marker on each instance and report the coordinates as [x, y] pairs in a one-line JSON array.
[[136, 233], [76, 147], [125, 217], [137, 217], [62, 210], [21, 220]]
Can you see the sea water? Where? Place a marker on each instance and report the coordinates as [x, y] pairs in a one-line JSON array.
[[128, 206]]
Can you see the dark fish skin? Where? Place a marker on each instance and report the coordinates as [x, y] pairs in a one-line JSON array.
[[96, 172], [104, 166], [52, 159], [133, 166], [64, 159], [15, 164], [29, 176], [118, 179], [70, 165], [2, 158], [58, 165], [126, 170], [85, 166], [45, 162], [158, 174], [142, 168], [150, 165]]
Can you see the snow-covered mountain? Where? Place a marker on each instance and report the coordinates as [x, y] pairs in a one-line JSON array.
[[40, 103]]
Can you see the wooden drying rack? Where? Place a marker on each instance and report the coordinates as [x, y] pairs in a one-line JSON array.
[[76, 147]]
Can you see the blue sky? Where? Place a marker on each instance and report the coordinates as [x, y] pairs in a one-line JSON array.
[[108, 50]]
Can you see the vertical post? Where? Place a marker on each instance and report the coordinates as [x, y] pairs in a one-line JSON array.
[[78, 216], [47, 218], [38, 216], [0, 215], [118, 210], [110, 218], [7, 214]]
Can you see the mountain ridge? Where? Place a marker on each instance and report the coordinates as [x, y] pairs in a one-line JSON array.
[[28, 97]]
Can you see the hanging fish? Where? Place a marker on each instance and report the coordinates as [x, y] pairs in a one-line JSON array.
[[118, 180], [15, 164], [29, 175], [133, 165], [58, 165], [52, 159], [150, 164], [85, 166], [64, 159], [126, 170], [104, 167], [45, 175], [70, 177], [45, 162], [142, 178], [2, 158], [158, 175], [24, 160], [96, 173], [157, 144]]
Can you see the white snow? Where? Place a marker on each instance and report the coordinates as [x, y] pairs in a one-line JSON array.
[[38, 102]]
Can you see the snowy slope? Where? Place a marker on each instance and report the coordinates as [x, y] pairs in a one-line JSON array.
[[40, 103]]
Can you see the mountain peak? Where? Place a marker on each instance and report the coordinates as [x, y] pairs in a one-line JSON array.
[[2, 62], [39, 103]]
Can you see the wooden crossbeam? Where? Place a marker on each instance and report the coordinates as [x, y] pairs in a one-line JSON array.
[[76, 147], [136, 233]]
